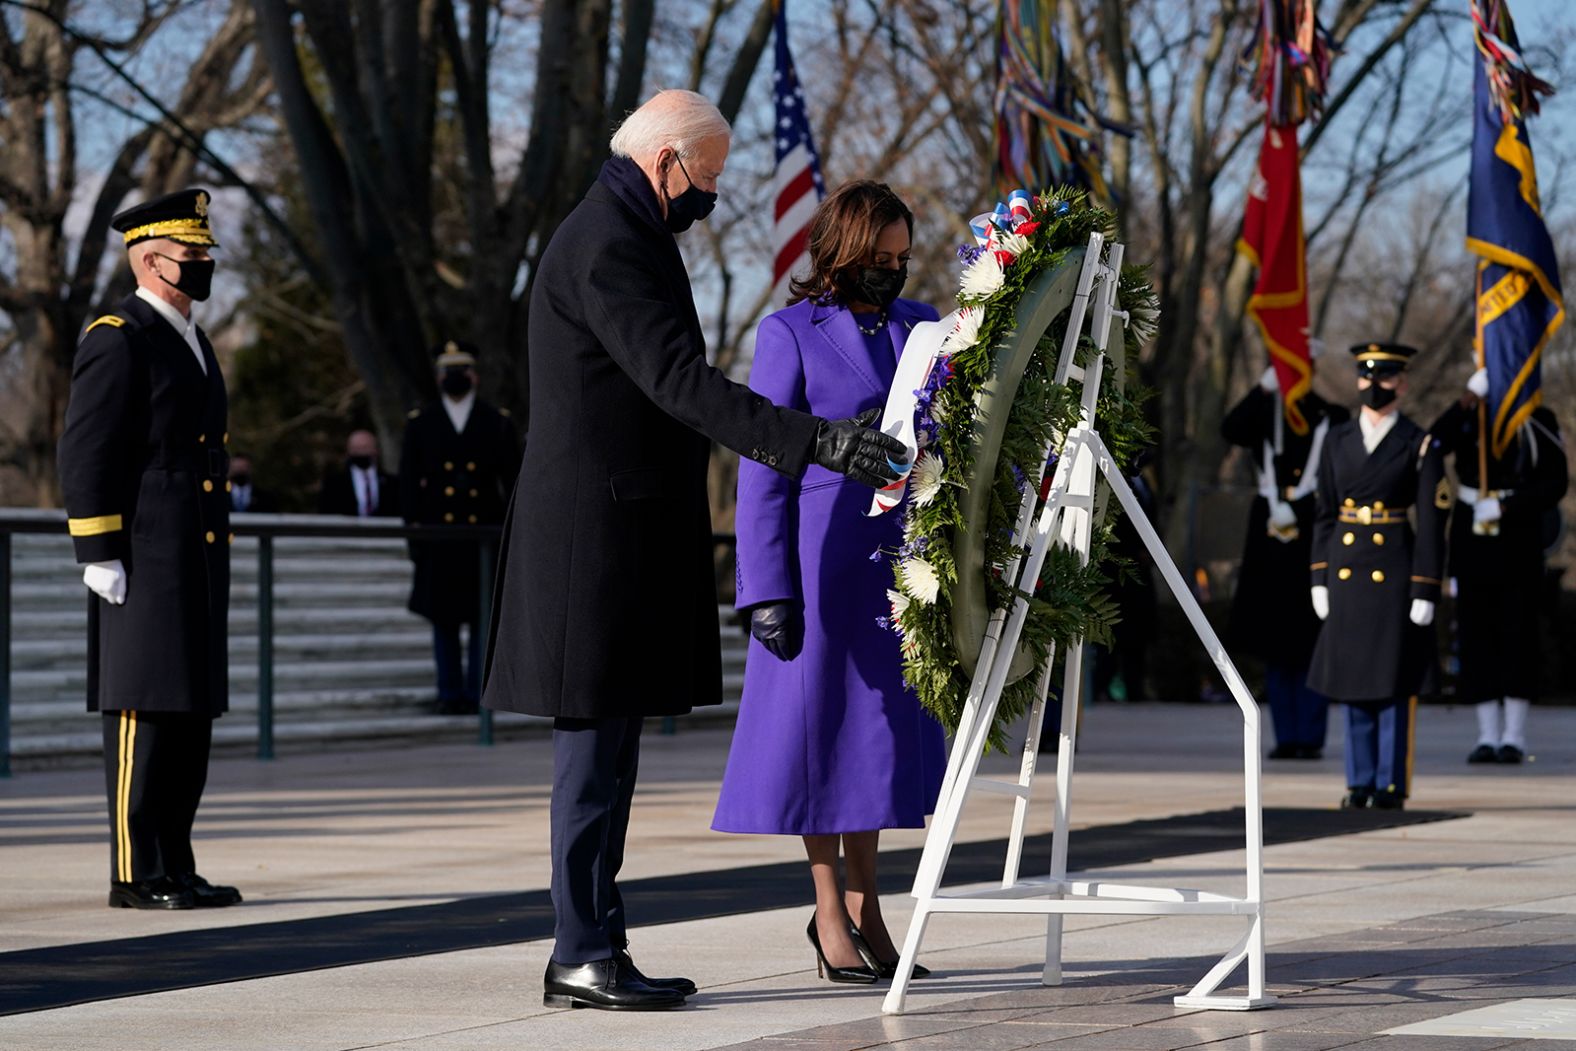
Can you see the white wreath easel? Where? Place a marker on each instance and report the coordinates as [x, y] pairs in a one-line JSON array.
[[1066, 515]]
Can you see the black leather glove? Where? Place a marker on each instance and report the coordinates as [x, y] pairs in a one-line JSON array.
[[779, 626], [850, 447]]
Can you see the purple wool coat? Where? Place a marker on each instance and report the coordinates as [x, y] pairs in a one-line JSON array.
[[833, 740]]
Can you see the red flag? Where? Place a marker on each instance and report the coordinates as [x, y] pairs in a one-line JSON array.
[[1272, 239]]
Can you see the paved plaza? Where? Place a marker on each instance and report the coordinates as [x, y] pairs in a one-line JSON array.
[[395, 899]]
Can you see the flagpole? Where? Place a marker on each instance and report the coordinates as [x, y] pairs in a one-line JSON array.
[[1482, 402]]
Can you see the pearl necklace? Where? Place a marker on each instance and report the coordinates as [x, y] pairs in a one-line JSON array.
[[881, 320]]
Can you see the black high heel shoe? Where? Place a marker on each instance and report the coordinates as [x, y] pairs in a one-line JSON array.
[[882, 969], [847, 975]]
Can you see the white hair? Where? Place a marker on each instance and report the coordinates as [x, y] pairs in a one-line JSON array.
[[674, 118]]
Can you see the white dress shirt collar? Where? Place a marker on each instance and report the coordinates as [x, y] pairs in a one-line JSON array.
[[1374, 431], [459, 411], [183, 325]]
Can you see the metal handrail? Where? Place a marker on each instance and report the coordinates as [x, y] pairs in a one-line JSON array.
[[266, 528]]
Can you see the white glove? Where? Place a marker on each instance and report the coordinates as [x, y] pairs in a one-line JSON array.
[[1478, 383], [1268, 380], [1422, 612], [1321, 601], [1486, 510], [107, 580], [1283, 521]]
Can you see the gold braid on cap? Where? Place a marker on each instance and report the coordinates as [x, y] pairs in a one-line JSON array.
[[195, 229]]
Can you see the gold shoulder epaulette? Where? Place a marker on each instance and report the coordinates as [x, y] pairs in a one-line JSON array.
[[412, 414], [108, 319]]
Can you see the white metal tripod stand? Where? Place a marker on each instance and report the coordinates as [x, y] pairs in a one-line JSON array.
[[1066, 515]]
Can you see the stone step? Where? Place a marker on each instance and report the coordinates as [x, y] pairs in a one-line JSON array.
[[31, 715], [232, 737]]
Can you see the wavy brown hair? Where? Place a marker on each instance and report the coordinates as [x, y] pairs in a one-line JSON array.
[[843, 234]]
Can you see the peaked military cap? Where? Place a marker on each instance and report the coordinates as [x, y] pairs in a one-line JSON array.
[[454, 354], [1381, 359], [181, 216]]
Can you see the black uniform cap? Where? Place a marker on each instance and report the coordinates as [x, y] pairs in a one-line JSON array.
[[1381, 359], [181, 216], [454, 354]]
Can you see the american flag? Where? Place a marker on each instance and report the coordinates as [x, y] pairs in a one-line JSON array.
[[797, 181]]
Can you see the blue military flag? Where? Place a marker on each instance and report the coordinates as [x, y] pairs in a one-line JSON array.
[[1519, 301]]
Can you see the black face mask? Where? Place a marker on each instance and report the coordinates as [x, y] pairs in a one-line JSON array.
[[456, 383], [242, 479], [1377, 397], [876, 285], [363, 462], [689, 207], [196, 279]]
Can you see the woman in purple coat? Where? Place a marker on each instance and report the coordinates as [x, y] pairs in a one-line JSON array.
[[830, 744]]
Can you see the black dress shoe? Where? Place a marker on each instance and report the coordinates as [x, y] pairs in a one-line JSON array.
[[159, 893], [204, 894], [607, 985], [1509, 753], [1483, 753], [1309, 752], [1357, 799], [682, 986], [884, 970], [1389, 799], [1284, 751]]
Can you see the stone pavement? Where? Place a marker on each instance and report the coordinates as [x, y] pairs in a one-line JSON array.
[[1405, 929]]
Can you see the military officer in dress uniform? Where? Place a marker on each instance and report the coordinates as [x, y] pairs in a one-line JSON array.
[[458, 465], [1496, 561], [1269, 618], [143, 468], [1376, 579]]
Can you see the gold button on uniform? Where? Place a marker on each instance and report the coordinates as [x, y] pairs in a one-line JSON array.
[[231, 538], [1378, 505], [207, 486], [1345, 574], [208, 536], [471, 466], [1379, 539], [1378, 576], [473, 519], [1350, 502], [473, 492], [448, 516], [228, 486], [227, 437], [201, 438], [1349, 539], [448, 490], [448, 465]]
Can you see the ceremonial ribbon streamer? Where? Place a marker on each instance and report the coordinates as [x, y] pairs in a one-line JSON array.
[[1046, 130]]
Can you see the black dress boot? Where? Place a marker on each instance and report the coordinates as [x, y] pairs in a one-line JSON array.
[[204, 894], [604, 984]]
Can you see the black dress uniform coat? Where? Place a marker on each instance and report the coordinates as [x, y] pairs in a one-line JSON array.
[[1270, 615], [143, 466], [454, 478], [1498, 577], [606, 603], [1366, 552]]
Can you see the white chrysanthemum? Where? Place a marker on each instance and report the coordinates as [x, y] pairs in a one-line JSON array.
[[899, 603], [1145, 319], [965, 332], [1017, 244], [984, 277], [919, 580], [926, 481]]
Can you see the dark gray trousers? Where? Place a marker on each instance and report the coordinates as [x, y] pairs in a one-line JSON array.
[[594, 766]]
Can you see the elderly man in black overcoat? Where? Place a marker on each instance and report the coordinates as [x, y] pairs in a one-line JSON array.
[[143, 468], [606, 603]]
